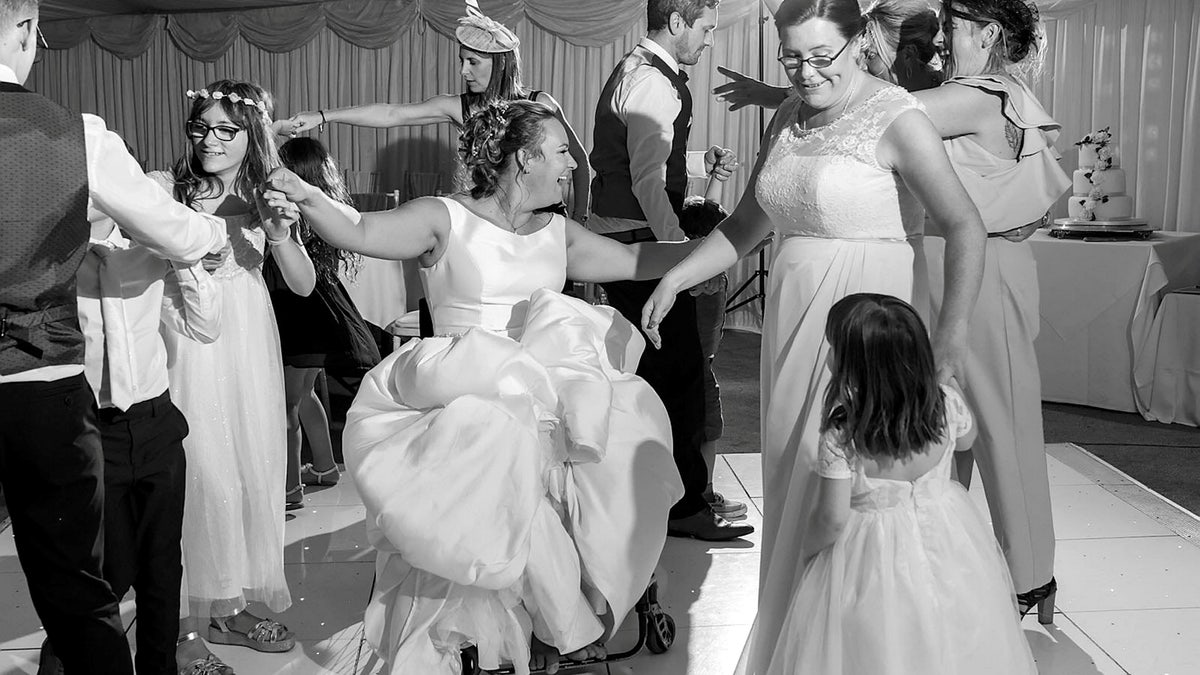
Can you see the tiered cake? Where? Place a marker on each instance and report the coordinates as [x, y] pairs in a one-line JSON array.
[[1099, 182], [1099, 204]]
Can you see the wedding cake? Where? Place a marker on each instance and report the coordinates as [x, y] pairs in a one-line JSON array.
[[1099, 183]]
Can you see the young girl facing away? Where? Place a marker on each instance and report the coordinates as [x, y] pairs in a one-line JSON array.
[[901, 573]]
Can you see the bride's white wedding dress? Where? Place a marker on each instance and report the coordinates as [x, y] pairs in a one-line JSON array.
[[517, 475]]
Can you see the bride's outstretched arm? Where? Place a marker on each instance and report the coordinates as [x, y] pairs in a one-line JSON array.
[[410, 230], [592, 257]]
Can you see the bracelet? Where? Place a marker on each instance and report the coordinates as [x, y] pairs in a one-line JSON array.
[[277, 242], [324, 121]]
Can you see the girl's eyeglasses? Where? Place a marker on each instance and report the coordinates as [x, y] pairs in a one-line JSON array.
[[819, 61], [200, 130]]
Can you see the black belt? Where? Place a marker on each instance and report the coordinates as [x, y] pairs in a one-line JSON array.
[[155, 407], [632, 236]]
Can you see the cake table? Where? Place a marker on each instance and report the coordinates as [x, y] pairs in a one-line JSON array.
[[1098, 302]]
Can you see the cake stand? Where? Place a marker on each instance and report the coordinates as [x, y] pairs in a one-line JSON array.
[[1130, 228]]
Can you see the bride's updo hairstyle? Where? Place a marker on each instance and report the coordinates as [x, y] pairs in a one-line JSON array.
[[1021, 33], [491, 138], [845, 14]]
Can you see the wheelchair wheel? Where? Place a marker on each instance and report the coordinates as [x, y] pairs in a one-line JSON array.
[[660, 632]]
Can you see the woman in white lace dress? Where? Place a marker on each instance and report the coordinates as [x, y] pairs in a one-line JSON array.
[[231, 391], [846, 167]]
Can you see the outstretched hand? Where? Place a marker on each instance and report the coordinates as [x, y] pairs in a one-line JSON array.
[[744, 91], [655, 310], [285, 181], [276, 213], [305, 121]]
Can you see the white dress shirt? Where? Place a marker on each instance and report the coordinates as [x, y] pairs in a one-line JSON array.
[[648, 104], [118, 188], [123, 290]]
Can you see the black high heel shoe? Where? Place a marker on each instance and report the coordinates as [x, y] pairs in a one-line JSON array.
[[1043, 597]]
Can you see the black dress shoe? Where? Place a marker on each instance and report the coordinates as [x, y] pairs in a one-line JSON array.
[[48, 663], [707, 526]]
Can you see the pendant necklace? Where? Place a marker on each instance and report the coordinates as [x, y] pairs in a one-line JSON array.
[[845, 106]]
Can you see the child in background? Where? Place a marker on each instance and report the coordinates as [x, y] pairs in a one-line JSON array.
[[903, 573], [319, 331], [699, 216]]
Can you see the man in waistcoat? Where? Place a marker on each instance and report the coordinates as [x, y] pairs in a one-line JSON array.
[[58, 172], [638, 154]]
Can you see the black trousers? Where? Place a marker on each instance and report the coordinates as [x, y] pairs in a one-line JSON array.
[[145, 472], [676, 372], [53, 476]]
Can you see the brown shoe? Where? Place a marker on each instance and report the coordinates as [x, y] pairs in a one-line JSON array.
[[707, 526]]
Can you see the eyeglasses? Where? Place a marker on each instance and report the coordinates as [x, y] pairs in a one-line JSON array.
[[819, 61], [200, 130]]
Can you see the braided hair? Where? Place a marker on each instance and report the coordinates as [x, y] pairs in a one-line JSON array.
[[1019, 22], [492, 136]]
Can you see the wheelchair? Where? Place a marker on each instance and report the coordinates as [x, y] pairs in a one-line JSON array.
[[656, 632]]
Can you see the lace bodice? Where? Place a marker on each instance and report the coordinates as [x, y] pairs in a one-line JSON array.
[[836, 460], [826, 182], [486, 274], [247, 240]]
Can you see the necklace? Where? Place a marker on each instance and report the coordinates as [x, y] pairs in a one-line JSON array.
[[845, 106]]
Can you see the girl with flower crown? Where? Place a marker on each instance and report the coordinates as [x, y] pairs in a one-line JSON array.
[[490, 56], [232, 391], [516, 472]]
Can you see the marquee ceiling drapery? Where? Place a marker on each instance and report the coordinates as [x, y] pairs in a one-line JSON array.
[[206, 29]]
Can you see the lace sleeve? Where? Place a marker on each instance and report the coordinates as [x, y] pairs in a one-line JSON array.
[[833, 459], [959, 421]]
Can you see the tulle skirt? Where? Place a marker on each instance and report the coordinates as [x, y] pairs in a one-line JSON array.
[[231, 392]]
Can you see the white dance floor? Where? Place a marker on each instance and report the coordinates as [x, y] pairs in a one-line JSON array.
[[1128, 569]]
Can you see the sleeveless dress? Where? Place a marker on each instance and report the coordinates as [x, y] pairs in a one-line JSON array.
[[915, 583], [231, 392], [1001, 380], [517, 475], [843, 225]]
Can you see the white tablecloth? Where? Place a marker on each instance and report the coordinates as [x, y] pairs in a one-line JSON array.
[[1167, 371], [1098, 302]]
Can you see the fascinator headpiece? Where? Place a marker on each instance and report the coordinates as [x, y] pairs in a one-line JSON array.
[[482, 34]]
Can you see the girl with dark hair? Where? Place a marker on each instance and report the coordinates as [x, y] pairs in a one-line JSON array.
[[900, 571], [491, 70], [231, 391], [516, 472], [320, 331]]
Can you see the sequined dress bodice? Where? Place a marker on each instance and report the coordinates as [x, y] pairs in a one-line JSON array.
[[826, 182]]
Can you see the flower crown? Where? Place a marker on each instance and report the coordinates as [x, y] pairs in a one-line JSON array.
[[232, 96]]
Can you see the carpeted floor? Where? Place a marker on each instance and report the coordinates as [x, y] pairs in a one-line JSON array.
[[1165, 457]]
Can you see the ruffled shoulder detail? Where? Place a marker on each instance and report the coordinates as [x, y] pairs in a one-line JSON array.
[[834, 459], [1021, 108], [959, 420]]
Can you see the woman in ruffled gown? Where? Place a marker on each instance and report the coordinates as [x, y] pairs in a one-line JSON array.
[[517, 474], [231, 391], [901, 573], [846, 167]]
